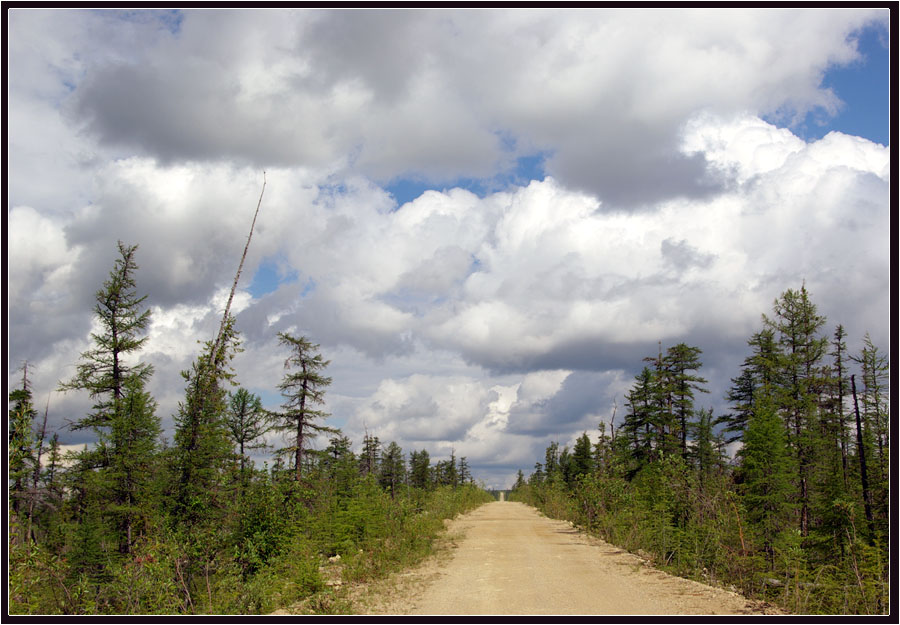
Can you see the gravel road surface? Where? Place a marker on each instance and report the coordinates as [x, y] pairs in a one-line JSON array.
[[509, 559]]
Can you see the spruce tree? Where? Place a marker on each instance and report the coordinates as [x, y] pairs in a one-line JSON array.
[[839, 425], [861, 452], [420, 469], [465, 476], [392, 471], [640, 420], [520, 480], [452, 474], [370, 455], [22, 457], [706, 453], [582, 459], [50, 520], [765, 472], [340, 464], [134, 437], [551, 462]]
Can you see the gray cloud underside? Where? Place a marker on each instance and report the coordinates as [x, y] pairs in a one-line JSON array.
[[388, 93]]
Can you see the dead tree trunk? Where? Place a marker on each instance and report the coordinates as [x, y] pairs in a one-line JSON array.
[[863, 474]]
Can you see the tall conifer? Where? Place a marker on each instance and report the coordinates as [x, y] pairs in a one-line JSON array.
[[303, 388], [123, 415]]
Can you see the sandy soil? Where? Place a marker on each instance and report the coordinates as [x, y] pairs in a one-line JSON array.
[[505, 558]]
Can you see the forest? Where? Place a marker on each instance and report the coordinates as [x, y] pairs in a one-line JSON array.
[[135, 525], [798, 517]]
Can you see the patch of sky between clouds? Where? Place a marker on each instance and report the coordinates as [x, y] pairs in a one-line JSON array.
[[863, 87], [527, 168], [270, 275], [169, 19], [172, 19]]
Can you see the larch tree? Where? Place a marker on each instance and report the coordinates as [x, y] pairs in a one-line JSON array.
[[661, 397], [797, 325], [203, 446], [200, 460], [303, 388], [759, 373], [640, 420], [247, 422], [103, 371], [838, 425], [123, 416], [681, 361], [874, 399]]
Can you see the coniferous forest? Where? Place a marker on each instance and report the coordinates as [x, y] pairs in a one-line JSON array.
[[135, 525], [798, 516]]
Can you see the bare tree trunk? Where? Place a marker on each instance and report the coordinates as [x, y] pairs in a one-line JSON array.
[[300, 422], [237, 277], [37, 472], [863, 474]]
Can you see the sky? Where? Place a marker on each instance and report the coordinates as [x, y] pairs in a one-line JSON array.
[[485, 218]]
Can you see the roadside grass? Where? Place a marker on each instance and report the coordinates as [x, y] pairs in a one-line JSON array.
[[412, 531]]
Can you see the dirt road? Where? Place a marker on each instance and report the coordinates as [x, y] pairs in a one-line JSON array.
[[511, 560]]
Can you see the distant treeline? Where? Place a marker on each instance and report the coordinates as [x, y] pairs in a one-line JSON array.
[[799, 517]]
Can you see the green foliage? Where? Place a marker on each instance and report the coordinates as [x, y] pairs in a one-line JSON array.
[[420, 469], [303, 387], [202, 442], [103, 371], [247, 422], [22, 453], [766, 473], [132, 525], [393, 469], [787, 519]]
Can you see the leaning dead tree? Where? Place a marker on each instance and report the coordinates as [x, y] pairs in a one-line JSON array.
[[237, 276], [203, 388]]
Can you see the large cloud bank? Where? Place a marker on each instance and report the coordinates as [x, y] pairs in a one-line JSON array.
[[484, 323]]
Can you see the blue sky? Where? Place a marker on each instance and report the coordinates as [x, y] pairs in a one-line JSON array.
[[864, 88], [594, 195]]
